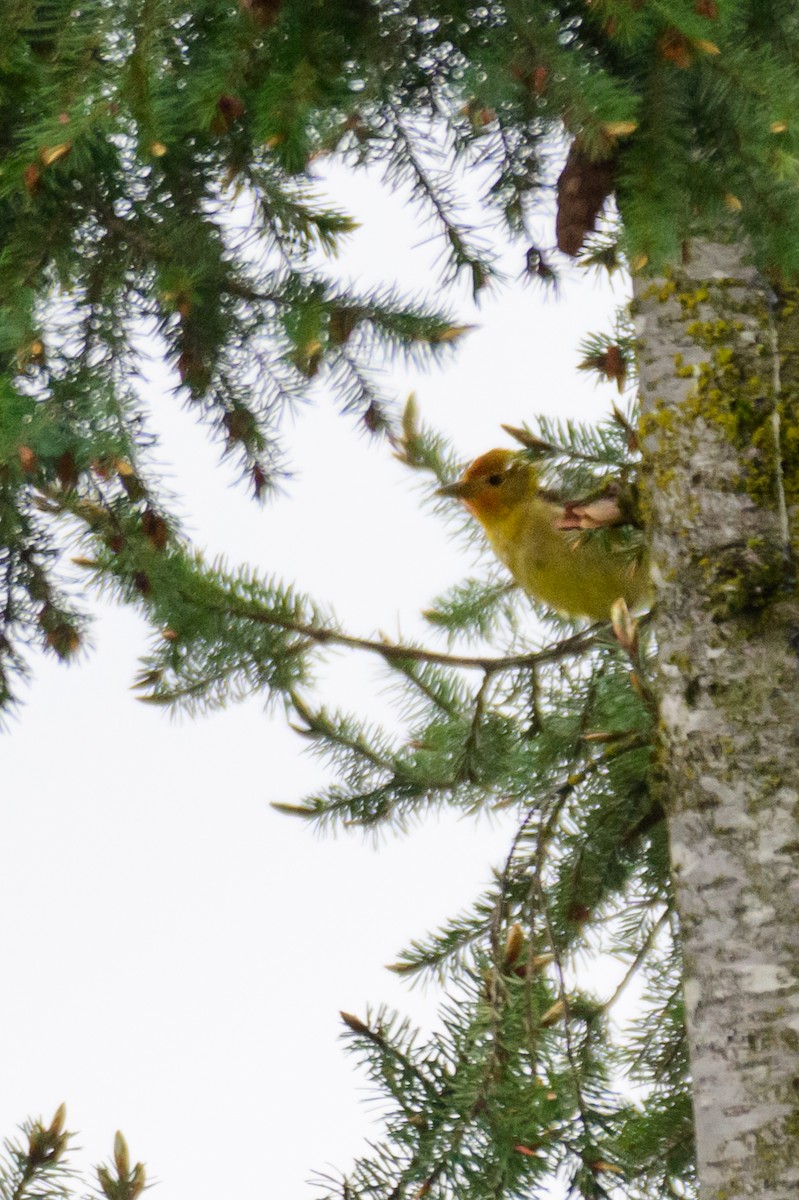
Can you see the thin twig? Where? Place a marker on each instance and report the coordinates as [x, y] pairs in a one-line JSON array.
[[470, 745], [564, 999], [393, 651], [639, 958]]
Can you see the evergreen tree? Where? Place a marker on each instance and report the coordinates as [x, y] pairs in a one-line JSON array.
[[130, 132]]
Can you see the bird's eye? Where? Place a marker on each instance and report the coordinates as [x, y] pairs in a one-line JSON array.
[[495, 480]]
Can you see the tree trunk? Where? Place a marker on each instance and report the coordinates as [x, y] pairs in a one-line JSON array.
[[727, 627]]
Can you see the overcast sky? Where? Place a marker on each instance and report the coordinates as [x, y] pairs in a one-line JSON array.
[[175, 951]]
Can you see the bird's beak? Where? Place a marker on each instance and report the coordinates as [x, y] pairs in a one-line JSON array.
[[462, 489]]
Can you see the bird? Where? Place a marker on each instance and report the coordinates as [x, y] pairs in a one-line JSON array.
[[532, 533]]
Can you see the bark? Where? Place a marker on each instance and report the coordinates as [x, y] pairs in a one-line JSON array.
[[727, 627]]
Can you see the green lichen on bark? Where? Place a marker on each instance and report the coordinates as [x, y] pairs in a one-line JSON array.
[[786, 321], [733, 397], [746, 580]]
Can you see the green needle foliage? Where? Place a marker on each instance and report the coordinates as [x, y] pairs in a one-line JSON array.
[[156, 179], [37, 1166], [156, 182]]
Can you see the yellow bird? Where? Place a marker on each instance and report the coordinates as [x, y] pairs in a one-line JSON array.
[[532, 535]]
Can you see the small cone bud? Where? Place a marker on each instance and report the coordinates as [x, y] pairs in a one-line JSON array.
[[121, 1156], [138, 1181], [51, 154], [37, 1143], [354, 1023], [130, 480], [529, 440], [66, 470], [539, 961], [540, 80], [155, 528], [27, 459], [229, 109], [57, 1123], [450, 334], [373, 418], [258, 476], [675, 47], [617, 129], [705, 46], [625, 629], [410, 416], [514, 944], [31, 177], [553, 1014], [601, 1164]]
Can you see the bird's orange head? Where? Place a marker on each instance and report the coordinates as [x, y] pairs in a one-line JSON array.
[[494, 484]]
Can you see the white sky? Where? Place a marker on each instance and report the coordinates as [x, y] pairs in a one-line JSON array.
[[176, 952]]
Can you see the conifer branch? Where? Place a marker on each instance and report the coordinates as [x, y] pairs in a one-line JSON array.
[[572, 646], [470, 745], [317, 725], [389, 1049], [564, 1006], [407, 164]]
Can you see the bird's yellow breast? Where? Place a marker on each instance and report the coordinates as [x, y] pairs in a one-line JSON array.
[[574, 575]]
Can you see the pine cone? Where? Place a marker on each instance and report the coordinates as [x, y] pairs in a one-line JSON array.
[[583, 187]]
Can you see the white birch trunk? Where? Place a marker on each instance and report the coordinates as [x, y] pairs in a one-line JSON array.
[[727, 627]]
